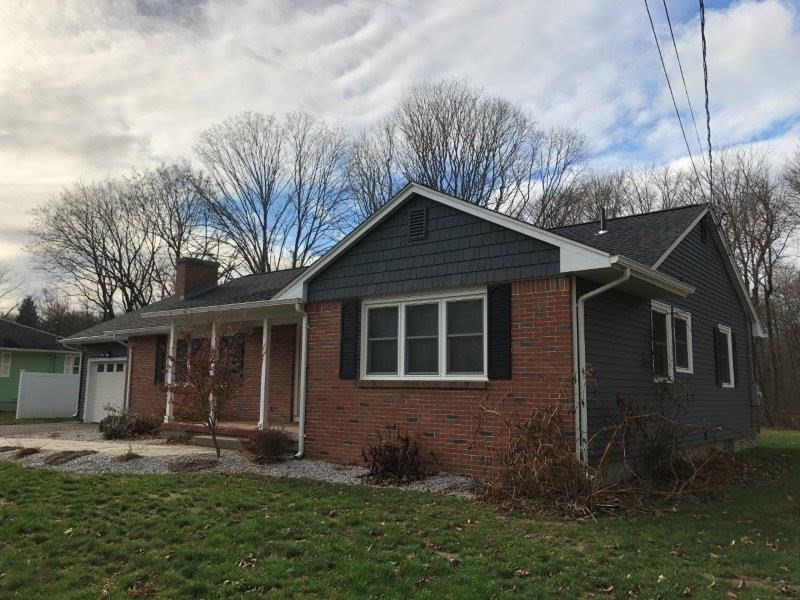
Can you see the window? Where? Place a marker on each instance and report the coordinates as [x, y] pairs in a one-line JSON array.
[[465, 336], [425, 337], [72, 364], [662, 342], [382, 340], [671, 341], [682, 334], [725, 355], [101, 367], [120, 367], [5, 364], [422, 339]]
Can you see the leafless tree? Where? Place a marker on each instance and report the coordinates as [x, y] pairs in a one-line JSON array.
[[70, 243], [373, 173], [454, 138], [245, 164], [59, 316], [316, 157], [10, 284]]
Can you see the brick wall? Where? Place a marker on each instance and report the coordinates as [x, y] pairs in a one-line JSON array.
[[281, 374], [148, 397], [341, 414]]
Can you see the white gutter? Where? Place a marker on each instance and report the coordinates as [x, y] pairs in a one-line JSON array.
[[301, 433], [581, 412], [220, 308]]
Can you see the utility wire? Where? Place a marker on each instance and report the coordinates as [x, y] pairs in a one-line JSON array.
[[708, 113], [683, 78], [671, 93]]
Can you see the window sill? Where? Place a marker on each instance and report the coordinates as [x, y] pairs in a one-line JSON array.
[[422, 384]]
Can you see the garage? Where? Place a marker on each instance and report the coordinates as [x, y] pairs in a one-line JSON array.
[[105, 388]]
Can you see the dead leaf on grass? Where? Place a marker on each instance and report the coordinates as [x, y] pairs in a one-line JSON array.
[[522, 573]]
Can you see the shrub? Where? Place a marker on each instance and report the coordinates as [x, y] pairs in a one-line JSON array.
[[143, 424], [123, 424], [114, 426], [394, 457], [268, 446]]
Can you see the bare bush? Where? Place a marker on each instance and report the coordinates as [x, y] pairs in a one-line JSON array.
[[393, 457]]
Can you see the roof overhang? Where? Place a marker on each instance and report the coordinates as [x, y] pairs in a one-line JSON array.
[[643, 281], [264, 306]]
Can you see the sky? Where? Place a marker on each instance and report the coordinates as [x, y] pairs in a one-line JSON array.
[[92, 88]]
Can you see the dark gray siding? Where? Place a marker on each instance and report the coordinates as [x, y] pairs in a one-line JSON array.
[[618, 346], [102, 350], [459, 249]]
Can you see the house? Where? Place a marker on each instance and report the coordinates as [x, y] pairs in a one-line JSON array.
[[24, 348], [433, 309]]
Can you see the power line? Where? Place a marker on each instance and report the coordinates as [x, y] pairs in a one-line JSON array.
[[708, 113], [683, 78], [671, 93]]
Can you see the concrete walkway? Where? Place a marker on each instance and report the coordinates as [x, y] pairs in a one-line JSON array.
[[44, 427], [141, 448]]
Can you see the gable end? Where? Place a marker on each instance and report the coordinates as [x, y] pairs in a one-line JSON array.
[[458, 249]]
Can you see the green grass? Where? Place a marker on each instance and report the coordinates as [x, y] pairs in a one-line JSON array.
[[7, 418], [212, 536]]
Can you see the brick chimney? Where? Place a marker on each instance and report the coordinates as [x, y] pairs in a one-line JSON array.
[[193, 275]]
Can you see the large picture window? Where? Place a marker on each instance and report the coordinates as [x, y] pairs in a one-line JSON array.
[[427, 337]]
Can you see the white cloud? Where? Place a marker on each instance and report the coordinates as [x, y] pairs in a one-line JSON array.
[[89, 88]]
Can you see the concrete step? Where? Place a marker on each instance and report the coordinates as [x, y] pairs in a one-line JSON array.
[[228, 443]]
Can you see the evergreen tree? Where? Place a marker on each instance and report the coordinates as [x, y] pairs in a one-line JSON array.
[[28, 314]]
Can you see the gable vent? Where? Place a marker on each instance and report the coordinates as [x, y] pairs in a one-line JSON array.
[[417, 225]]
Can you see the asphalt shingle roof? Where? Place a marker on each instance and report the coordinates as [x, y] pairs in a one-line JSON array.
[[250, 288], [643, 238], [14, 335]]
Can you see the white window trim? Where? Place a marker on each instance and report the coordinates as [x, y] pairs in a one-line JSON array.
[[5, 365], [677, 313], [71, 361], [401, 302], [724, 329], [665, 310]]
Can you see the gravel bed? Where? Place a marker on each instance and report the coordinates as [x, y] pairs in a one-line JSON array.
[[234, 463]]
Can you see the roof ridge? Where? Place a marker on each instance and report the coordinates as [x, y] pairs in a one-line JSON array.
[[652, 212]]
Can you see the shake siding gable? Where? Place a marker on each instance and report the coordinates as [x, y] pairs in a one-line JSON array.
[[458, 250]]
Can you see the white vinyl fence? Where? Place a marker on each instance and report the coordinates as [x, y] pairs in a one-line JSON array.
[[44, 395]]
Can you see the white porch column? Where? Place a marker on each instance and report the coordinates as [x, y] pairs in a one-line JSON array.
[[264, 398], [170, 375]]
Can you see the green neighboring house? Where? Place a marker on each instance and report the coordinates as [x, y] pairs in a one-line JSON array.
[[29, 349]]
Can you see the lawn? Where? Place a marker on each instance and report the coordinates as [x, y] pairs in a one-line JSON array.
[[7, 418], [212, 536]]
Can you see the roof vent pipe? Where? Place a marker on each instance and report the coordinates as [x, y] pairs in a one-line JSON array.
[[602, 222]]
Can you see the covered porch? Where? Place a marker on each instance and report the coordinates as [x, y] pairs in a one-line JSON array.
[[271, 342]]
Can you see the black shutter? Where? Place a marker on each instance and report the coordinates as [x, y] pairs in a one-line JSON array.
[[499, 326], [719, 356], [734, 360], [161, 358], [348, 342]]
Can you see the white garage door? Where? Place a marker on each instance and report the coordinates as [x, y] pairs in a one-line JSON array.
[[105, 388]]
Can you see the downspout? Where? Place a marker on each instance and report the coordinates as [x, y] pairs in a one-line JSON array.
[[581, 411], [301, 433]]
